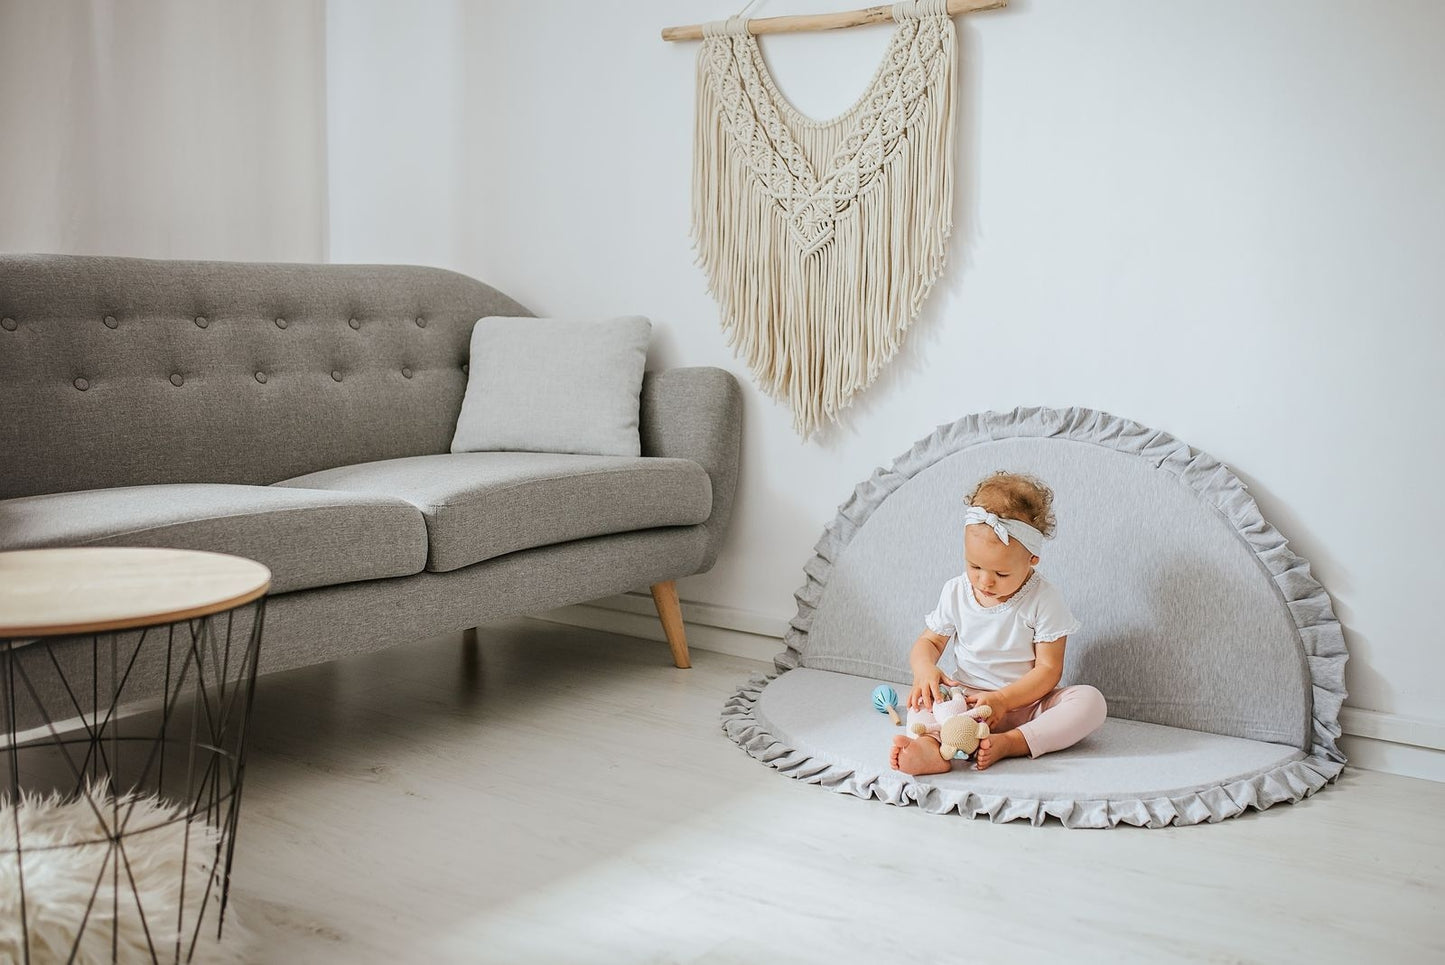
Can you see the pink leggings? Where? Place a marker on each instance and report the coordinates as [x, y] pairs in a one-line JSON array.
[[1060, 719]]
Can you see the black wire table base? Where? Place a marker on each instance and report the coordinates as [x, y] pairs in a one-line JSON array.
[[136, 740]]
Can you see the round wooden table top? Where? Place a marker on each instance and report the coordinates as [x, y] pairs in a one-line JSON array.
[[47, 593]]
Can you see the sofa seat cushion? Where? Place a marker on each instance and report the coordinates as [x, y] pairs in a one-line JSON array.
[[308, 538], [480, 505]]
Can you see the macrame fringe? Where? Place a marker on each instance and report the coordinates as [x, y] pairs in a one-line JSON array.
[[817, 326]]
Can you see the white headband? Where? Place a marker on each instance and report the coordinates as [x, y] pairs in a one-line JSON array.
[[1032, 539]]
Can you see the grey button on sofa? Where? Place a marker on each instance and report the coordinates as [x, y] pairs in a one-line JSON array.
[[302, 415]]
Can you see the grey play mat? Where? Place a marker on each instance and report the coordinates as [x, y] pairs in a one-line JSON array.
[[1220, 656]]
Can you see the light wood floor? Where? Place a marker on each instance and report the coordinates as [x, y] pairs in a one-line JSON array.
[[562, 795]]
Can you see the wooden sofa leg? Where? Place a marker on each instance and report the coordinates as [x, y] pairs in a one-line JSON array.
[[664, 597]]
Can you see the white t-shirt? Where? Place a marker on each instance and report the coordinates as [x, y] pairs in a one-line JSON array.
[[993, 646]]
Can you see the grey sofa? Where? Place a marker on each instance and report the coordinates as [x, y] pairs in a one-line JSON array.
[[301, 415]]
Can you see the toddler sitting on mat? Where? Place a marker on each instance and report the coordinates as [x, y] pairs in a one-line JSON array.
[[1003, 628]]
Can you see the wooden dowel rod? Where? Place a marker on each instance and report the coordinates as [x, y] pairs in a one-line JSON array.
[[828, 21]]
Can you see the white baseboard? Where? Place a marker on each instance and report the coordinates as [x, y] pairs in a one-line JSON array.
[[1393, 728], [1375, 741], [623, 614], [1372, 754]]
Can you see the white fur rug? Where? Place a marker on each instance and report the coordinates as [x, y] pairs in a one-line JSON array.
[[59, 883]]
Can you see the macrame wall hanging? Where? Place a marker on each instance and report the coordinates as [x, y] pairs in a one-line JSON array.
[[820, 240]]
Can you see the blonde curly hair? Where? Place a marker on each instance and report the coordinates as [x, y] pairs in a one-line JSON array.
[[1014, 495]]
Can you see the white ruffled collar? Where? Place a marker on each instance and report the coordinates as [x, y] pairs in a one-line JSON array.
[[1005, 606]]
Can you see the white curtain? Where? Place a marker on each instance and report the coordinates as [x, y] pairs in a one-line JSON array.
[[164, 128]]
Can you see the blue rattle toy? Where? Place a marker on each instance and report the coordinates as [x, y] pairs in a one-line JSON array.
[[885, 701]]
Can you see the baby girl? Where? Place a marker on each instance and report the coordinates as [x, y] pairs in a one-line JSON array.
[[1003, 628]]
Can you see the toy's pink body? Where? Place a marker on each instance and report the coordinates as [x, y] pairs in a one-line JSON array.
[[930, 722]]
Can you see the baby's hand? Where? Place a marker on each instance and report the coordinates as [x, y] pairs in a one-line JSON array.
[[927, 688], [995, 703]]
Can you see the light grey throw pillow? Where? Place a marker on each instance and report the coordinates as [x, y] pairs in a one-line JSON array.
[[554, 385]]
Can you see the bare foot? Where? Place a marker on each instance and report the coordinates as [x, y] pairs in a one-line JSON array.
[[917, 756], [996, 747], [899, 742]]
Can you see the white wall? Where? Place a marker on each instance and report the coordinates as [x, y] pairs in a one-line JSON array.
[[396, 170], [1223, 220], [163, 128]]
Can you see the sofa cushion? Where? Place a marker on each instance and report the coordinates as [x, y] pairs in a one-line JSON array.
[[308, 538], [554, 385], [479, 505]]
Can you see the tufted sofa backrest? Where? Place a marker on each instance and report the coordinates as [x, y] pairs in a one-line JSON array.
[[125, 371]]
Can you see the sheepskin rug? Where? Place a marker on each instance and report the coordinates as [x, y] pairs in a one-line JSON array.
[[67, 850]]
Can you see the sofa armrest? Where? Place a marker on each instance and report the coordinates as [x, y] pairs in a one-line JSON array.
[[696, 413]]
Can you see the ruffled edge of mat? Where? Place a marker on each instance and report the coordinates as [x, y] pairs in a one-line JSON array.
[[1286, 783], [1321, 636]]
